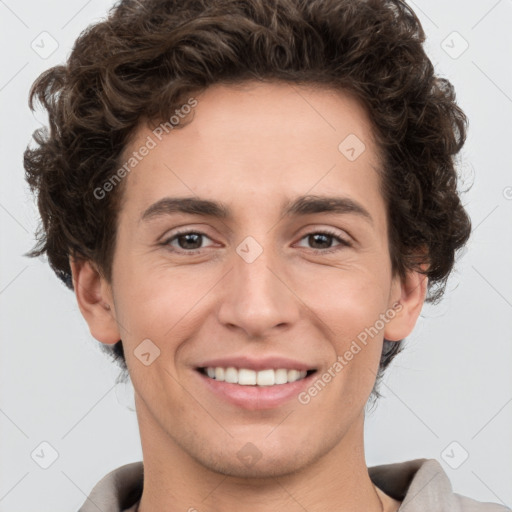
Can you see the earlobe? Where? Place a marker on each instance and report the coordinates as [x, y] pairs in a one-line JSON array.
[[413, 290], [94, 300]]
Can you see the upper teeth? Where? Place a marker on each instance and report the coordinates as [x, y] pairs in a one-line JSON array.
[[246, 377]]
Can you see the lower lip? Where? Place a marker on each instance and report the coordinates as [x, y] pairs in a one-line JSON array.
[[256, 397]]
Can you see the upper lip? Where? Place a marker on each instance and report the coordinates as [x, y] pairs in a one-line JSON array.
[[256, 364]]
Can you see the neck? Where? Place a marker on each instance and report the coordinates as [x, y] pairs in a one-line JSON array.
[[174, 481]]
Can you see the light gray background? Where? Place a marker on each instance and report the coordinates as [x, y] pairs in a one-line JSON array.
[[453, 383]]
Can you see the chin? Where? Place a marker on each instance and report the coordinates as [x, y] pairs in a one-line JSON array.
[[266, 460], [263, 468]]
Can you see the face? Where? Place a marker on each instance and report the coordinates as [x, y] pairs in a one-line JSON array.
[[271, 281]]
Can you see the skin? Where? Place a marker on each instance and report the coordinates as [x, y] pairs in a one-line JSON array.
[[253, 147]]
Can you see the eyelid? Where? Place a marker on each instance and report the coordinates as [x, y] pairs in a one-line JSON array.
[[185, 231], [331, 232], [342, 240]]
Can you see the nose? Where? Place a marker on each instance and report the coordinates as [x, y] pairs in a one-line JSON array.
[[257, 297]]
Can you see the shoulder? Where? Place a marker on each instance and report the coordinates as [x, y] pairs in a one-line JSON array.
[[422, 484], [467, 504], [116, 491]]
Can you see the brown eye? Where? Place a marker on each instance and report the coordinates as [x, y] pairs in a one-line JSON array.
[[186, 241], [322, 241]]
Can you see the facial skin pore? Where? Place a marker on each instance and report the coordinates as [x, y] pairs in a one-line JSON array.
[[255, 149]]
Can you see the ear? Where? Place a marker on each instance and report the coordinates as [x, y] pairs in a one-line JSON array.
[[408, 298], [94, 298]]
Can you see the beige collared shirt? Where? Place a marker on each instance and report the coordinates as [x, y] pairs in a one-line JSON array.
[[421, 485]]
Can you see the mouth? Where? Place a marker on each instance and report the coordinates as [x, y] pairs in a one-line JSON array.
[[255, 383], [254, 389], [258, 378]]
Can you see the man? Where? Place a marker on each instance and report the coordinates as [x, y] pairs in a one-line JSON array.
[[255, 197]]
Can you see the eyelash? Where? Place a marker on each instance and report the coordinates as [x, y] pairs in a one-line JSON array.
[[342, 242]]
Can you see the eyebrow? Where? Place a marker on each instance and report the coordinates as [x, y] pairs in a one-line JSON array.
[[303, 205]]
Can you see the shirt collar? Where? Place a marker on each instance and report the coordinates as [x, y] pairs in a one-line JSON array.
[[420, 484]]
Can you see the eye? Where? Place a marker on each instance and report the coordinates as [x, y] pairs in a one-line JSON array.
[[325, 238], [188, 241]]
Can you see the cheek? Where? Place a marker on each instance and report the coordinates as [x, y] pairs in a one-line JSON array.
[[347, 300], [155, 297], [350, 305]]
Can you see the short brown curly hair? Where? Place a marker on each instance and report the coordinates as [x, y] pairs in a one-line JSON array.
[[148, 55]]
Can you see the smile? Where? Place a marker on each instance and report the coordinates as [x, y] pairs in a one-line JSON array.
[[248, 377]]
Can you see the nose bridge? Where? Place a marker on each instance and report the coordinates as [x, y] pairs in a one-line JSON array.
[[256, 297]]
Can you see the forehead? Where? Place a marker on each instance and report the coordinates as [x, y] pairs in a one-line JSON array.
[[258, 140]]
